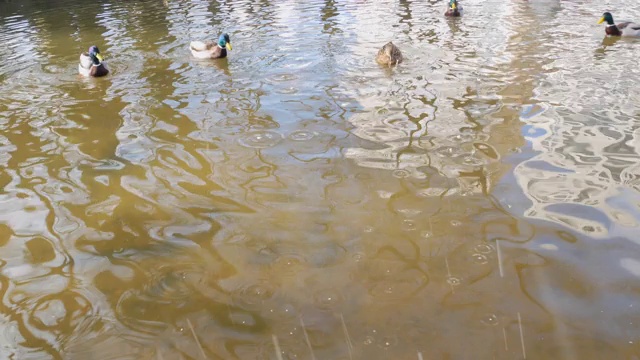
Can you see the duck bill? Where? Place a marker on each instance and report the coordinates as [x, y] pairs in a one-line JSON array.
[[228, 46], [99, 57], [601, 20], [454, 6]]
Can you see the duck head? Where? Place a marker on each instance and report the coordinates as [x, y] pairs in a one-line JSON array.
[[606, 17], [453, 4], [94, 54], [225, 42], [388, 48]]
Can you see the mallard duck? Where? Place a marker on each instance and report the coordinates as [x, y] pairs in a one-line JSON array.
[[454, 9], [623, 29], [92, 64], [211, 50], [389, 55]]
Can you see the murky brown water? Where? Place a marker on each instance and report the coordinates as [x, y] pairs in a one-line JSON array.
[[481, 201]]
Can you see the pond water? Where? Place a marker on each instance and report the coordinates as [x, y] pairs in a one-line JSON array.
[[299, 201]]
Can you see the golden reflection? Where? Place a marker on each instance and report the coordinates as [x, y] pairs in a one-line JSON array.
[[297, 197]]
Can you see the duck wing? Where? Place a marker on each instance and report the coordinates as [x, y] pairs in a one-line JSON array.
[[629, 28], [85, 61], [628, 25], [396, 55], [202, 45]]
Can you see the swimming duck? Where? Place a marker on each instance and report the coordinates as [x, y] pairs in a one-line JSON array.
[[211, 50], [623, 29], [453, 10], [389, 55], [92, 64]]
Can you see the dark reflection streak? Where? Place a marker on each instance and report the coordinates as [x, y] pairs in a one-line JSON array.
[[470, 99], [427, 122], [496, 204], [417, 120], [480, 277], [454, 26], [395, 251], [607, 42], [328, 15], [411, 264], [443, 197], [216, 8], [327, 91], [271, 168], [406, 17], [520, 268], [409, 149], [223, 66]]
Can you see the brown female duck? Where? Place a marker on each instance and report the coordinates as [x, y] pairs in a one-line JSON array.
[[389, 55]]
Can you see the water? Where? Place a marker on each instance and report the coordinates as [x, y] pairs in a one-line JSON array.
[[480, 201]]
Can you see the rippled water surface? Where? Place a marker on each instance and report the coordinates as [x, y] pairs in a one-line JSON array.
[[479, 201]]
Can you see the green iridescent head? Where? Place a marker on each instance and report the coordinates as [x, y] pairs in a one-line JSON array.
[[225, 41], [606, 17]]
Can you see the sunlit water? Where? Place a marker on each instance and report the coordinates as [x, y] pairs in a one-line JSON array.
[[480, 201]]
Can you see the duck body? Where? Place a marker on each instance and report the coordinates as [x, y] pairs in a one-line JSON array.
[[454, 9], [92, 64], [211, 49], [389, 55], [627, 28]]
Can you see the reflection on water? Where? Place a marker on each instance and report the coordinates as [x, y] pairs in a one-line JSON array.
[[298, 196]]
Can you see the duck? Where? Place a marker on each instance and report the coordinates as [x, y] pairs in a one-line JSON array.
[[389, 55], [622, 29], [454, 9], [211, 50], [92, 64]]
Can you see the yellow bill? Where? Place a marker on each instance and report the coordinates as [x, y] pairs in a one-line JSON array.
[[454, 6], [99, 57], [601, 20], [228, 46]]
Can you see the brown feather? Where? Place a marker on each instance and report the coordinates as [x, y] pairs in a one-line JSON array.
[[614, 30], [389, 55], [452, 12], [98, 71]]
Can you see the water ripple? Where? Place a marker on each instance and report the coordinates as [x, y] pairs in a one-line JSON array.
[[298, 191]]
